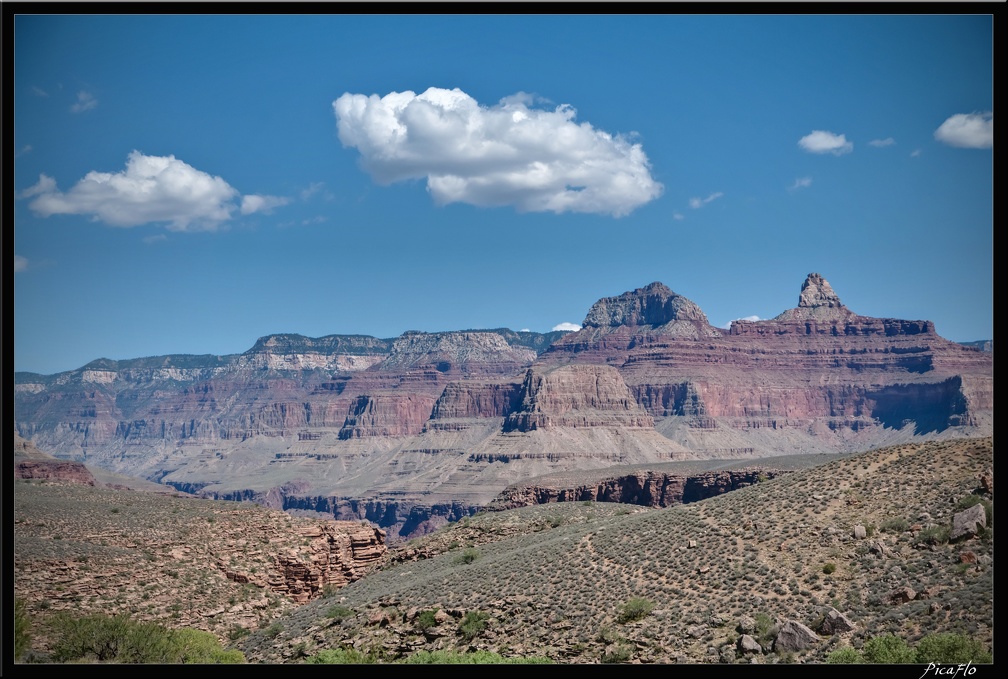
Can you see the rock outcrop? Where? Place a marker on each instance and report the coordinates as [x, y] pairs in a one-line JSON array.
[[576, 396], [339, 552], [645, 488], [32, 463]]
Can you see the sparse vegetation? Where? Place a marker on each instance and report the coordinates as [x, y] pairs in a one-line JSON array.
[[760, 553]]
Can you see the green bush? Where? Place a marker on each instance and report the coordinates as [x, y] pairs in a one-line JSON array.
[[845, 656], [426, 620], [22, 627], [951, 648], [468, 555], [341, 656], [472, 624], [933, 535], [118, 639], [829, 568], [475, 658], [635, 609], [888, 649], [894, 525], [339, 613]]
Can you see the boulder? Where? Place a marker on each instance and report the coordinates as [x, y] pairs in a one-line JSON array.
[[835, 622], [747, 645], [968, 522], [793, 637]]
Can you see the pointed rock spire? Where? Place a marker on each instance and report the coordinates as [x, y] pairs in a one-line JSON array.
[[816, 292], [817, 302]]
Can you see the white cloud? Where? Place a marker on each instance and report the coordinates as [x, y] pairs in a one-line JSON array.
[[27, 148], [567, 327], [820, 141], [697, 203], [524, 330], [85, 102], [156, 238], [39, 92], [255, 203], [150, 189], [879, 143], [968, 130], [801, 183], [915, 153], [20, 263], [536, 160], [727, 325], [678, 216]]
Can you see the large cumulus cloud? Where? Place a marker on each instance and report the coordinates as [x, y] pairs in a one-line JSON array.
[[508, 154], [150, 189]]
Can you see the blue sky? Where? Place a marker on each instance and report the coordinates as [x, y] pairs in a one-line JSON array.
[[189, 184]]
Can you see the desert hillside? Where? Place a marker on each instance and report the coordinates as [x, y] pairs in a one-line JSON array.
[[866, 541]]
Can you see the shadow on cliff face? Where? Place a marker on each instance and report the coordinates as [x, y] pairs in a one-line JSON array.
[[931, 408]]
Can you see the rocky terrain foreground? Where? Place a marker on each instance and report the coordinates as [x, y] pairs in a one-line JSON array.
[[413, 432], [829, 552]]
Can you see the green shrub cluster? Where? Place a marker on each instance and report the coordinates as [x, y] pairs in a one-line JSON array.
[[472, 624], [468, 555], [890, 649], [426, 620], [118, 639], [339, 613], [635, 609], [22, 628], [445, 657], [341, 656]]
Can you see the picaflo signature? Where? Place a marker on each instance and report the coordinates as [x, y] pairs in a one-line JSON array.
[[937, 669]]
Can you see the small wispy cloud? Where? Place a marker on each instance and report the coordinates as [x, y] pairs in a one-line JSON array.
[[697, 203], [801, 183], [678, 216], [155, 238], [316, 188], [968, 130], [508, 154], [20, 263], [27, 148], [821, 141], [85, 102], [915, 153], [567, 327], [39, 92], [256, 203], [880, 143]]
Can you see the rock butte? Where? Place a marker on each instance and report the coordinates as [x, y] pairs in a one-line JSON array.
[[412, 432]]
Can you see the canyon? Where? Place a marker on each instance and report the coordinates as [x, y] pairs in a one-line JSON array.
[[412, 432]]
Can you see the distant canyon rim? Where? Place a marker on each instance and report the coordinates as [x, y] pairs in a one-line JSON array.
[[412, 432]]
